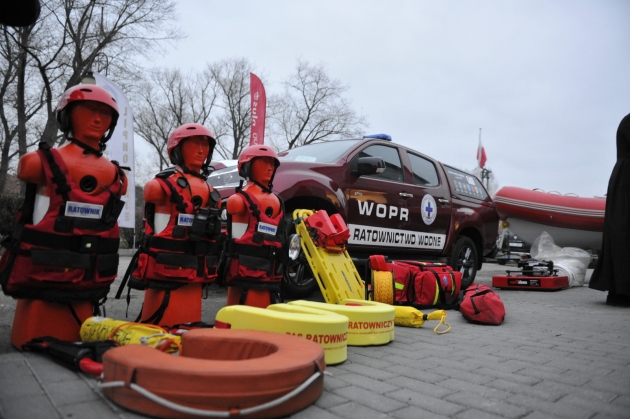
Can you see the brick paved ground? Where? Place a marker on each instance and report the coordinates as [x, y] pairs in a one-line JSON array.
[[557, 355]]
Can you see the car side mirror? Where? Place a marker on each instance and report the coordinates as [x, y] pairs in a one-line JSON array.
[[367, 166]]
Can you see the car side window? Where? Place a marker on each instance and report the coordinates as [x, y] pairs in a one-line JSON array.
[[424, 172], [393, 166]]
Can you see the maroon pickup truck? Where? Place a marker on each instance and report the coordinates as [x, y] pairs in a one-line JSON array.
[[396, 202]]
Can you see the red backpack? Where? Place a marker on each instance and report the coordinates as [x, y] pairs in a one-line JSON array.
[[482, 305], [421, 284]]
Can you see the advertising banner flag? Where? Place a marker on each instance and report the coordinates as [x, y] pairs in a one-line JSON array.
[[258, 110], [120, 148], [481, 153]]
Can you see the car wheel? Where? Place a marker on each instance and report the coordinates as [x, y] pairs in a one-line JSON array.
[[464, 259], [298, 281], [501, 261]]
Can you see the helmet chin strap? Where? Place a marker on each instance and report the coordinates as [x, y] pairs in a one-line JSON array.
[[264, 188], [186, 170], [88, 149]]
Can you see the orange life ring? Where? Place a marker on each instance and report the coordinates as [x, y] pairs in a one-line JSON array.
[[220, 373]]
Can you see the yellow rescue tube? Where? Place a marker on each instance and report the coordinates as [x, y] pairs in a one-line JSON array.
[[411, 317], [328, 329], [128, 333], [370, 322]]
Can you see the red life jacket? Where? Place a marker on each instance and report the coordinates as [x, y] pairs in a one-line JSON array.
[[254, 259], [72, 253], [187, 250]]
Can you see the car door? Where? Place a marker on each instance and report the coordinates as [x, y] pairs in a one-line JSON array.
[[378, 214], [429, 203]]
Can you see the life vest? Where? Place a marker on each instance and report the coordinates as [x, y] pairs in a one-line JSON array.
[[254, 259], [72, 253], [187, 249]]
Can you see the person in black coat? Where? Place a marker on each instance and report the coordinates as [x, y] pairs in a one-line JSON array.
[[612, 272]]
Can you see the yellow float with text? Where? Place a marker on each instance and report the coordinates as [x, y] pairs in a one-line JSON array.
[[327, 328], [369, 322]]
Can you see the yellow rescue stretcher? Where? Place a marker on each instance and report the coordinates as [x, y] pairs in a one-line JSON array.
[[327, 328], [323, 244]]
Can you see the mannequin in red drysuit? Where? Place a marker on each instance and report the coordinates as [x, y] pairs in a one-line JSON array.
[[190, 148], [262, 172], [87, 114]]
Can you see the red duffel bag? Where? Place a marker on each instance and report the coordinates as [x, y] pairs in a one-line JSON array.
[[482, 305]]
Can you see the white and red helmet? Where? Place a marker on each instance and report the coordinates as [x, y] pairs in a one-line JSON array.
[[183, 132], [85, 92]]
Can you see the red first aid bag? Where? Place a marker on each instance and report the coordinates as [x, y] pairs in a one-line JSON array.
[[482, 305], [421, 284], [436, 288]]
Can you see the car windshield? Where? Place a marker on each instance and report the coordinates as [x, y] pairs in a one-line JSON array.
[[327, 152], [225, 178]]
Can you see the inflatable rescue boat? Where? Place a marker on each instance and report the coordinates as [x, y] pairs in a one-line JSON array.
[[572, 221]]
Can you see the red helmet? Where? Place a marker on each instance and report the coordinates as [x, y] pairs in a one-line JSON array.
[[250, 153], [183, 132], [80, 93]]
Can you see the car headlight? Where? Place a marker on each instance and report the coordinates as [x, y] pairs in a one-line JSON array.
[[295, 246]]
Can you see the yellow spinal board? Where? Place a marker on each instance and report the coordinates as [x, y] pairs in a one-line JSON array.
[[334, 271]]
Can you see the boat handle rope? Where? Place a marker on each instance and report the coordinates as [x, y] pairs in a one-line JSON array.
[[212, 413]]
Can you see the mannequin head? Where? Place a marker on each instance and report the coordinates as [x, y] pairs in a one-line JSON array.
[[263, 169], [89, 120], [195, 151], [180, 136], [79, 122], [266, 169]]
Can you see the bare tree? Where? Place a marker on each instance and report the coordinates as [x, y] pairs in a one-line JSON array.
[[169, 99], [232, 79], [311, 109], [71, 37]]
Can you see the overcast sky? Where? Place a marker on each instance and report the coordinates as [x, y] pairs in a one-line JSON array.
[[547, 81]]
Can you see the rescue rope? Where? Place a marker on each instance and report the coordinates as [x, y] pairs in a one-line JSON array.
[[442, 322], [211, 413]]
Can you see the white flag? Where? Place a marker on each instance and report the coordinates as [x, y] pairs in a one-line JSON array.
[[120, 148]]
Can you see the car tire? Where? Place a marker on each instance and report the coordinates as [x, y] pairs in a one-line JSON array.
[[464, 258], [298, 281], [501, 261]]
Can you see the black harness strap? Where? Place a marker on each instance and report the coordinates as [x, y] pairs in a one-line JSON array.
[[264, 252], [182, 245], [74, 314], [130, 268], [176, 198], [58, 177], [253, 207], [79, 244], [159, 313]]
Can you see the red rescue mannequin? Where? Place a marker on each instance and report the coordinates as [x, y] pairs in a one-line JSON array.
[[258, 164], [180, 252], [73, 177]]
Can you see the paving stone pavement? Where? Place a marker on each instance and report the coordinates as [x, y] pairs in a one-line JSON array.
[[561, 354]]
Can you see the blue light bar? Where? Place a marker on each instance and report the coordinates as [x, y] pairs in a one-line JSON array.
[[379, 137]]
